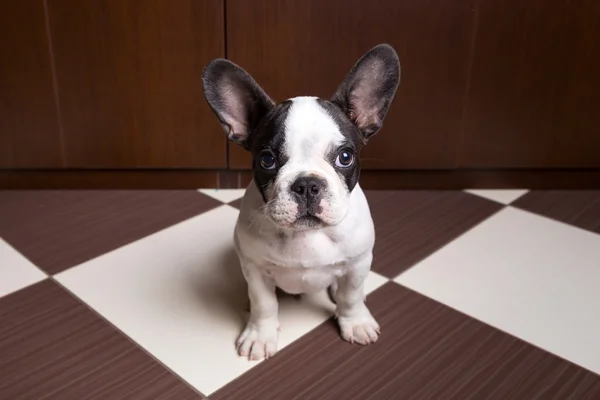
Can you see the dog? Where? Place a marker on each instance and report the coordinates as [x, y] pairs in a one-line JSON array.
[[305, 225]]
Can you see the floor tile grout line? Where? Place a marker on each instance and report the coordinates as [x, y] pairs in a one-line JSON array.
[[2, 296], [286, 348], [514, 207], [46, 274], [494, 327], [468, 191], [60, 266], [24, 256], [200, 191], [120, 332], [204, 190], [527, 191], [141, 238], [503, 207], [387, 279], [225, 205], [90, 308]]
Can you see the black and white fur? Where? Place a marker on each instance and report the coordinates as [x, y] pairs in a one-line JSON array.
[[304, 224]]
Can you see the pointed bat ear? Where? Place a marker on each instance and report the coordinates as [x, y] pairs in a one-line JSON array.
[[368, 90], [237, 100]]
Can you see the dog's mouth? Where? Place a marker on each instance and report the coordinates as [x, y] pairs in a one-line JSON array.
[[290, 216], [308, 221], [302, 222]]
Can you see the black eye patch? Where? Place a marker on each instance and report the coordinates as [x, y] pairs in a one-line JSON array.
[[269, 138]]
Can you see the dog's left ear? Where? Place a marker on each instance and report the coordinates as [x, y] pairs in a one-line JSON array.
[[368, 90]]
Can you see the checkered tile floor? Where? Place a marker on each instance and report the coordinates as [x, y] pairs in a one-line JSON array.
[[138, 295]]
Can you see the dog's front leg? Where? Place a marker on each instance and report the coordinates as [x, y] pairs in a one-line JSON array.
[[357, 325], [259, 338]]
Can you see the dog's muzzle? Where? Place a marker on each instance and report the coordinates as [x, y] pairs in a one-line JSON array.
[[307, 192]]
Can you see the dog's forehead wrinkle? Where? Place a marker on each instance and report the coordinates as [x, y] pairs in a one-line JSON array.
[[309, 129]]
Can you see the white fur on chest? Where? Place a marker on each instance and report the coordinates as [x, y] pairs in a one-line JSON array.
[[303, 261], [308, 262]]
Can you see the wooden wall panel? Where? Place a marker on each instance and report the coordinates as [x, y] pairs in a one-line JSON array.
[[535, 86], [29, 132], [306, 47], [129, 77]]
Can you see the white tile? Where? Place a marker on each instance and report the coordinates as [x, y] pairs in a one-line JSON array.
[[16, 272], [501, 196], [180, 294], [224, 195], [374, 281], [527, 275], [299, 317]]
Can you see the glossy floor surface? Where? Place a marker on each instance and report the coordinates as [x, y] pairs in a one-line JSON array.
[[139, 295]]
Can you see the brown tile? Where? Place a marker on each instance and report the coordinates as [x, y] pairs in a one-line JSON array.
[[59, 229], [578, 208], [54, 347], [410, 225], [426, 351], [236, 203]]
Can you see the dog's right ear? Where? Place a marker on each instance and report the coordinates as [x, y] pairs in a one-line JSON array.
[[236, 98]]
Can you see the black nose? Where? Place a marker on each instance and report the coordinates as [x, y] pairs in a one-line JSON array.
[[308, 188]]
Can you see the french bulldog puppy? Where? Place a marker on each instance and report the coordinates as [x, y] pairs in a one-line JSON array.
[[305, 224]]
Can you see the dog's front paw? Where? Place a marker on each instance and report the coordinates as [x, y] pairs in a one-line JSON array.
[[258, 341], [361, 329]]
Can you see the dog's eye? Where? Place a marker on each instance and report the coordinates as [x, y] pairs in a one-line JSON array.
[[344, 159], [267, 160]]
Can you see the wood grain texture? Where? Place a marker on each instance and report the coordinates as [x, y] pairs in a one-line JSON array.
[[411, 225], [306, 47], [29, 130], [129, 81], [579, 208], [535, 86], [426, 351], [54, 347], [57, 230]]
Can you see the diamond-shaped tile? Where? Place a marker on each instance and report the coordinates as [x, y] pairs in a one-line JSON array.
[[16, 272], [410, 225], [426, 351], [504, 196], [54, 347], [224, 195], [524, 274], [578, 208], [237, 204], [59, 229], [180, 294]]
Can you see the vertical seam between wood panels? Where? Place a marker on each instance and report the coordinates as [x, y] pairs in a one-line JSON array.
[[465, 106], [59, 117], [226, 55]]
